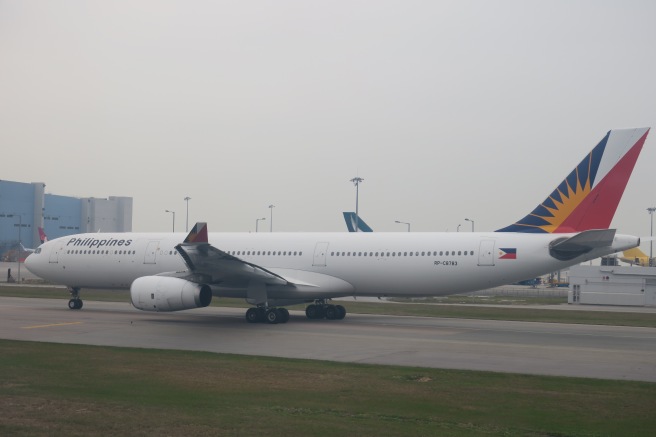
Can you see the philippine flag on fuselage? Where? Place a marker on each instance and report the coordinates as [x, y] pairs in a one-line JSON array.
[[508, 253]]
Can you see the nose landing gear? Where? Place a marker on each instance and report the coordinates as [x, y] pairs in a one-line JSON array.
[[75, 303]]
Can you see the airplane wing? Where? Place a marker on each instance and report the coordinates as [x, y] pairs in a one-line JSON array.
[[210, 265]]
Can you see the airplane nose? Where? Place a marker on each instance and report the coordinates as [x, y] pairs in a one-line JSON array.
[[31, 262], [28, 261]]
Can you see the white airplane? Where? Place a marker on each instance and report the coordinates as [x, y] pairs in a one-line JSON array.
[[271, 270]]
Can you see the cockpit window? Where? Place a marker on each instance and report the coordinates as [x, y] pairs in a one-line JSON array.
[[38, 250]]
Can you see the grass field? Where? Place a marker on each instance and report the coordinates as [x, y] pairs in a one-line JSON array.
[[71, 390]]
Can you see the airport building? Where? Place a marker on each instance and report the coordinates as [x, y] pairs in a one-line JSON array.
[[612, 285], [26, 207]]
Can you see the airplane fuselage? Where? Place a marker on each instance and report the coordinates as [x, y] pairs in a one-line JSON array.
[[330, 264]]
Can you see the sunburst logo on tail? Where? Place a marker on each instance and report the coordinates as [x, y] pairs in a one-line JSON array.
[[563, 201]]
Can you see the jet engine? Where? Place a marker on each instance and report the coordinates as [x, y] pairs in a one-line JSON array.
[[164, 293]]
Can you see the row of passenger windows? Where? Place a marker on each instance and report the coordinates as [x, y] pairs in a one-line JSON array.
[[265, 252], [290, 253], [100, 252], [424, 253], [107, 252]]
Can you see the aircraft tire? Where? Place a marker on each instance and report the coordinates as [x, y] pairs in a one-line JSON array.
[[284, 315], [253, 315], [341, 312], [331, 312], [311, 311], [273, 316]]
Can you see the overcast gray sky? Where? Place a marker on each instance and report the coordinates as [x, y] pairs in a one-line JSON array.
[[447, 109]]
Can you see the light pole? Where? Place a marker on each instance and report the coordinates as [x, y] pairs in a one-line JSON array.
[[472, 222], [403, 223], [271, 216], [20, 245], [651, 234], [257, 222], [187, 199], [356, 181], [172, 212]]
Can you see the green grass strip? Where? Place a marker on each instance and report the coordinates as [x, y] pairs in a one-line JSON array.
[[72, 390]]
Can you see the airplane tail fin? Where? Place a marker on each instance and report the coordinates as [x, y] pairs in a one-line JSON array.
[[198, 234], [589, 195], [349, 217], [634, 253], [42, 235]]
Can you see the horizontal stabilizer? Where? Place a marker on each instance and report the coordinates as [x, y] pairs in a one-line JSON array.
[[569, 248]]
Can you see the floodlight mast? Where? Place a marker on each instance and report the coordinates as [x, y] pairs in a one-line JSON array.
[[187, 199], [271, 221], [651, 234], [356, 181]]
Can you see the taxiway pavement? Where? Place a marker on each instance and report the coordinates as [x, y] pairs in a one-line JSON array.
[[610, 352]]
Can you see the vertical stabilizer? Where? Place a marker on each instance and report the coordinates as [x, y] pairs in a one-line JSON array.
[[589, 195], [349, 217], [198, 233]]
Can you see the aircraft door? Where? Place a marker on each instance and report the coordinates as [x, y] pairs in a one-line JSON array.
[[320, 251], [151, 252], [486, 253]]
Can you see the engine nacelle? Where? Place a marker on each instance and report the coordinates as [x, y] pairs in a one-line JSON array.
[[164, 293]]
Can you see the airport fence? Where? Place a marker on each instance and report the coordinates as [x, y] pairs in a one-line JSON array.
[[517, 291]]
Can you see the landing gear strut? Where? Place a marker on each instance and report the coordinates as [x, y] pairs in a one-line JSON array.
[[321, 310], [75, 303], [268, 315]]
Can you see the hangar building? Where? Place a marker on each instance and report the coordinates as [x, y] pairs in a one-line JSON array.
[[24, 207]]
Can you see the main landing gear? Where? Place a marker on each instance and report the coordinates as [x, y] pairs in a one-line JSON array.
[[268, 315], [318, 310], [322, 310], [75, 303]]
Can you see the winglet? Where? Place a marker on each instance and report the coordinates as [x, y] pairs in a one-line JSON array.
[[198, 234]]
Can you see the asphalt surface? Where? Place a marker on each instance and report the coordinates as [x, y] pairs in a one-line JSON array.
[[610, 352]]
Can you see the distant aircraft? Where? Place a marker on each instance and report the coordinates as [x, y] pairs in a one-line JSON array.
[[167, 272], [350, 219], [637, 257], [27, 250], [42, 235]]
